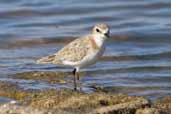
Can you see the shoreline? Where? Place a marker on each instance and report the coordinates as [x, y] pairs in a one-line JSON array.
[[66, 101]]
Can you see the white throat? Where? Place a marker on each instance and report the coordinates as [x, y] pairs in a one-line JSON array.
[[99, 40]]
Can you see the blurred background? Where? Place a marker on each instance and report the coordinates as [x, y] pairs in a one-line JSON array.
[[137, 58]]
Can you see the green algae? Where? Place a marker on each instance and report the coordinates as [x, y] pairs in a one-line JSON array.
[[41, 74], [47, 76], [12, 90]]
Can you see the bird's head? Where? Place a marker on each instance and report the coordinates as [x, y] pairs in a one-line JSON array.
[[101, 30]]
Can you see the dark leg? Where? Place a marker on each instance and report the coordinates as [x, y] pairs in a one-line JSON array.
[[78, 77], [75, 83]]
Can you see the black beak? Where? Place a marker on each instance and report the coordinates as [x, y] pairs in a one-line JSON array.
[[107, 35]]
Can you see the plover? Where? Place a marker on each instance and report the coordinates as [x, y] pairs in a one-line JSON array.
[[81, 52]]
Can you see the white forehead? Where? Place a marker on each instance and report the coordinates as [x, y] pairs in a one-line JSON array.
[[102, 27]]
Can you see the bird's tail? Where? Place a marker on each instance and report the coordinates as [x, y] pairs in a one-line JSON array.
[[46, 60]]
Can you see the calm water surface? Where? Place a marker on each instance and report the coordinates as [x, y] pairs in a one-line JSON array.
[[138, 55]]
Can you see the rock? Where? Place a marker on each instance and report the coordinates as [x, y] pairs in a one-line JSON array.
[[163, 104], [122, 108], [70, 102], [15, 109], [67, 101], [12, 90], [79, 103], [48, 76], [147, 111]]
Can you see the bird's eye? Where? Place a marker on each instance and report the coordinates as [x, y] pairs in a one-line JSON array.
[[97, 30]]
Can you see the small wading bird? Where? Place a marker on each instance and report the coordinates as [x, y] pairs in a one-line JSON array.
[[81, 52]]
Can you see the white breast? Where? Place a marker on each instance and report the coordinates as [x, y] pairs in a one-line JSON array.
[[99, 40], [91, 58]]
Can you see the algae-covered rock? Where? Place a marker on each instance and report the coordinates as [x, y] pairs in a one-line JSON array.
[[79, 103], [70, 102], [16, 109], [40, 74], [67, 101], [127, 107], [163, 104], [147, 111], [12, 90], [48, 76]]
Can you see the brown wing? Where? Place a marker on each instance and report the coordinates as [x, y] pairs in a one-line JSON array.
[[74, 51], [46, 60]]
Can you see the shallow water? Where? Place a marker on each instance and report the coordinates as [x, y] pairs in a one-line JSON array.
[[138, 55], [5, 100]]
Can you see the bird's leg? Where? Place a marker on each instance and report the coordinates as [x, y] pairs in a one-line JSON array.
[[75, 82], [80, 85], [78, 77]]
